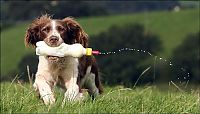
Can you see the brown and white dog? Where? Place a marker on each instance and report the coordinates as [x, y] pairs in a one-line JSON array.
[[73, 74]]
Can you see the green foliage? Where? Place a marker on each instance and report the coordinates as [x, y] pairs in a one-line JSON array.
[[124, 67], [17, 98], [187, 55], [15, 11]]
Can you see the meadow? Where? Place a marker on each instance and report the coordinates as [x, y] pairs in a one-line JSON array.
[[18, 98], [171, 27]]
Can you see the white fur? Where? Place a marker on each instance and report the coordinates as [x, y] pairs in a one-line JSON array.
[[54, 32], [47, 76]]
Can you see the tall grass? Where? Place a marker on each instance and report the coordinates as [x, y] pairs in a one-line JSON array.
[[22, 99]]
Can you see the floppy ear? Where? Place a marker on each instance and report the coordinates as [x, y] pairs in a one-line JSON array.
[[76, 32], [31, 36]]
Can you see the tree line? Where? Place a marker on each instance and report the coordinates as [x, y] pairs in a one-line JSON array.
[[17, 11]]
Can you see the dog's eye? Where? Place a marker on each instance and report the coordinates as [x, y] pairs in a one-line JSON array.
[[60, 29], [46, 29]]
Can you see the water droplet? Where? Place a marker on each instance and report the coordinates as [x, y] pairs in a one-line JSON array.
[[138, 50], [160, 58], [170, 64], [149, 53], [182, 69], [178, 78]]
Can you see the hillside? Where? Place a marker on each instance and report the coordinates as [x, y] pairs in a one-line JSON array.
[[172, 27]]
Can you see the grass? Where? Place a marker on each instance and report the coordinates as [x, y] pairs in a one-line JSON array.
[[17, 98], [172, 27]]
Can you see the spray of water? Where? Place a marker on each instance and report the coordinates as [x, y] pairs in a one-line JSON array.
[[124, 49], [186, 77]]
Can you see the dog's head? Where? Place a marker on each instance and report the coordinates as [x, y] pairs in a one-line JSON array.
[[55, 31]]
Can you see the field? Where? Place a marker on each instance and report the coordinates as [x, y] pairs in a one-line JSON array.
[[171, 27], [17, 98]]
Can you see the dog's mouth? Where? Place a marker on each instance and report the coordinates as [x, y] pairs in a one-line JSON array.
[[53, 58]]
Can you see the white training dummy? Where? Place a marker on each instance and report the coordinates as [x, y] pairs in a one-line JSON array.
[[74, 50]]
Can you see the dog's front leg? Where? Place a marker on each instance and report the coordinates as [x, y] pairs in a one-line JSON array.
[[72, 89], [44, 88]]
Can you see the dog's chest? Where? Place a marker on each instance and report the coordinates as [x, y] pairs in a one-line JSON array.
[[66, 68]]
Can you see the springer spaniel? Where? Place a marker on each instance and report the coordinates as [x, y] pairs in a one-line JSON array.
[[70, 73]]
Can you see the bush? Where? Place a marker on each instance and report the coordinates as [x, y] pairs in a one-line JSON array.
[[187, 55], [125, 68], [30, 60]]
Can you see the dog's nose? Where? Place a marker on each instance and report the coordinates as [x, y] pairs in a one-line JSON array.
[[53, 39]]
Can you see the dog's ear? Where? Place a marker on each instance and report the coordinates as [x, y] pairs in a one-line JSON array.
[[31, 36], [76, 32], [33, 33]]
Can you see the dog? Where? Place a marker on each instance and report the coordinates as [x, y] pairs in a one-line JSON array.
[[72, 74]]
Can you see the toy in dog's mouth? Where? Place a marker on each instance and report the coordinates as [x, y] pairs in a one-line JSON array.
[[54, 53]]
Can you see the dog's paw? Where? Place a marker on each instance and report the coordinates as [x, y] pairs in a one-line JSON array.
[[80, 97], [35, 87], [72, 93], [48, 99]]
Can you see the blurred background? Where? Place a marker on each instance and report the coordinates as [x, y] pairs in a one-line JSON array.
[[169, 30]]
